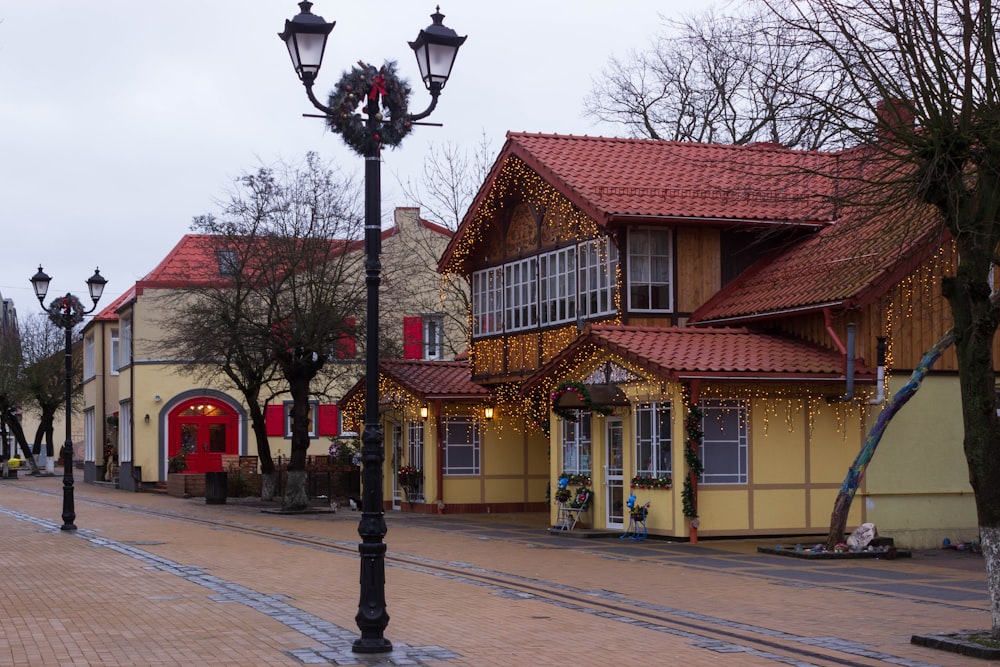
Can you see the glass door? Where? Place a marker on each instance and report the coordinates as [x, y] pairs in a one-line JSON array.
[[614, 480]]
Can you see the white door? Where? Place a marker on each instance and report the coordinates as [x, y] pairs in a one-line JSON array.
[[614, 479]]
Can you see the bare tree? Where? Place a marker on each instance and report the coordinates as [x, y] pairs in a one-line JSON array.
[[44, 377], [450, 180], [722, 79], [288, 239], [937, 141]]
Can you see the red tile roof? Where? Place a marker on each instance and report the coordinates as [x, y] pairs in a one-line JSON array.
[[614, 181], [642, 177], [426, 380], [677, 353], [844, 265]]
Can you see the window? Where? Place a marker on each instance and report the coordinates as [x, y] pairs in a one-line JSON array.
[[652, 439], [415, 440], [125, 432], [116, 357], [126, 345], [724, 448], [487, 301], [433, 336], [228, 262], [423, 336], [598, 277], [313, 418], [649, 270], [576, 444], [461, 446], [557, 277], [520, 295], [88, 357]]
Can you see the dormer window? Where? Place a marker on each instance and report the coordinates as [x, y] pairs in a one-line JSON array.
[[228, 262]]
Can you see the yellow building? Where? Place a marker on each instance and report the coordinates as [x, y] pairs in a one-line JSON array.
[[702, 327], [141, 406]]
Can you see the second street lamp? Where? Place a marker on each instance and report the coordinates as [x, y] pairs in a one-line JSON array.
[[66, 312], [435, 48]]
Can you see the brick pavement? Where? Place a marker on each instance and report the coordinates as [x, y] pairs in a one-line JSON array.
[[132, 587]]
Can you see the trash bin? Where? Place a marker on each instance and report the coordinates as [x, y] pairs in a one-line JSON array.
[[216, 488]]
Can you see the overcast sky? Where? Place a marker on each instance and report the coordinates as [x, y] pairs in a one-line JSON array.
[[120, 121]]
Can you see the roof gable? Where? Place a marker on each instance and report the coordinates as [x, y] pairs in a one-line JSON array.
[[614, 181]]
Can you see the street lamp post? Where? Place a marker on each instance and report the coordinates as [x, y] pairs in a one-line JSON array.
[[435, 48], [66, 312]]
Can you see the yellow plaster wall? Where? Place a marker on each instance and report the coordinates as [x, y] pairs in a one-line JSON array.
[[917, 489], [835, 438], [779, 455], [821, 507], [723, 509], [779, 509]]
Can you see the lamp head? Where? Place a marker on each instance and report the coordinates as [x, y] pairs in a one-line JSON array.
[[436, 47], [40, 281], [305, 36], [95, 284]]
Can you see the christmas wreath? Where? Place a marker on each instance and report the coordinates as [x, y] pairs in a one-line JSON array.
[[582, 393], [356, 87], [66, 311]]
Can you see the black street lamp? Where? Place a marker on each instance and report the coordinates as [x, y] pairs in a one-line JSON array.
[[66, 312], [435, 48]]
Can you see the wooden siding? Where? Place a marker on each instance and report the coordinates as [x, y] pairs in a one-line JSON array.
[[698, 270], [913, 315]]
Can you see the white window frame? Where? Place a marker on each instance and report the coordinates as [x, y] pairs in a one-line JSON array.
[[89, 434], [641, 257], [88, 358], [415, 443], [654, 439], [125, 432], [472, 424], [520, 294], [717, 443], [577, 445], [433, 336], [115, 351], [487, 301], [126, 343], [313, 418], [598, 262], [557, 286]]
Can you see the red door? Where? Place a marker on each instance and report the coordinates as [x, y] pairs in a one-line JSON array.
[[205, 428]]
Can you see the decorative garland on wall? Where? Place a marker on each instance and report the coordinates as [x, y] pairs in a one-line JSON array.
[[693, 441], [66, 311], [355, 88], [582, 393]]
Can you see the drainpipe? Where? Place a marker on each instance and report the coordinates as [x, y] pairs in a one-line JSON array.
[[879, 397], [850, 362]]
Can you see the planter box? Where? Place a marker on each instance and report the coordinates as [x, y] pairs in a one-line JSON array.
[[186, 485]]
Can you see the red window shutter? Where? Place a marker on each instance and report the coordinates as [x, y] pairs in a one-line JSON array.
[[328, 420], [346, 346], [413, 337], [274, 420]]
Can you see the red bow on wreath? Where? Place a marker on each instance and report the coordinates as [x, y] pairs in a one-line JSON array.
[[378, 86]]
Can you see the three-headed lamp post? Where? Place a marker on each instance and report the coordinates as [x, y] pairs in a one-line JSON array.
[[66, 312], [377, 88]]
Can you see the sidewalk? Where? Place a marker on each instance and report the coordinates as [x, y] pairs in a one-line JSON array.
[[155, 580]]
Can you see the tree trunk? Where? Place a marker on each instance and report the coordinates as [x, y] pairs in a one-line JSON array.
[[842, 506], [295, 491], [267, 484]]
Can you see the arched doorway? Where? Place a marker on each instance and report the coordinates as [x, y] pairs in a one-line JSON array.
[[203, 425]]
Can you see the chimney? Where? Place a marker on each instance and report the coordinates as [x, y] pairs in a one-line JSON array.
[[892, 117]]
